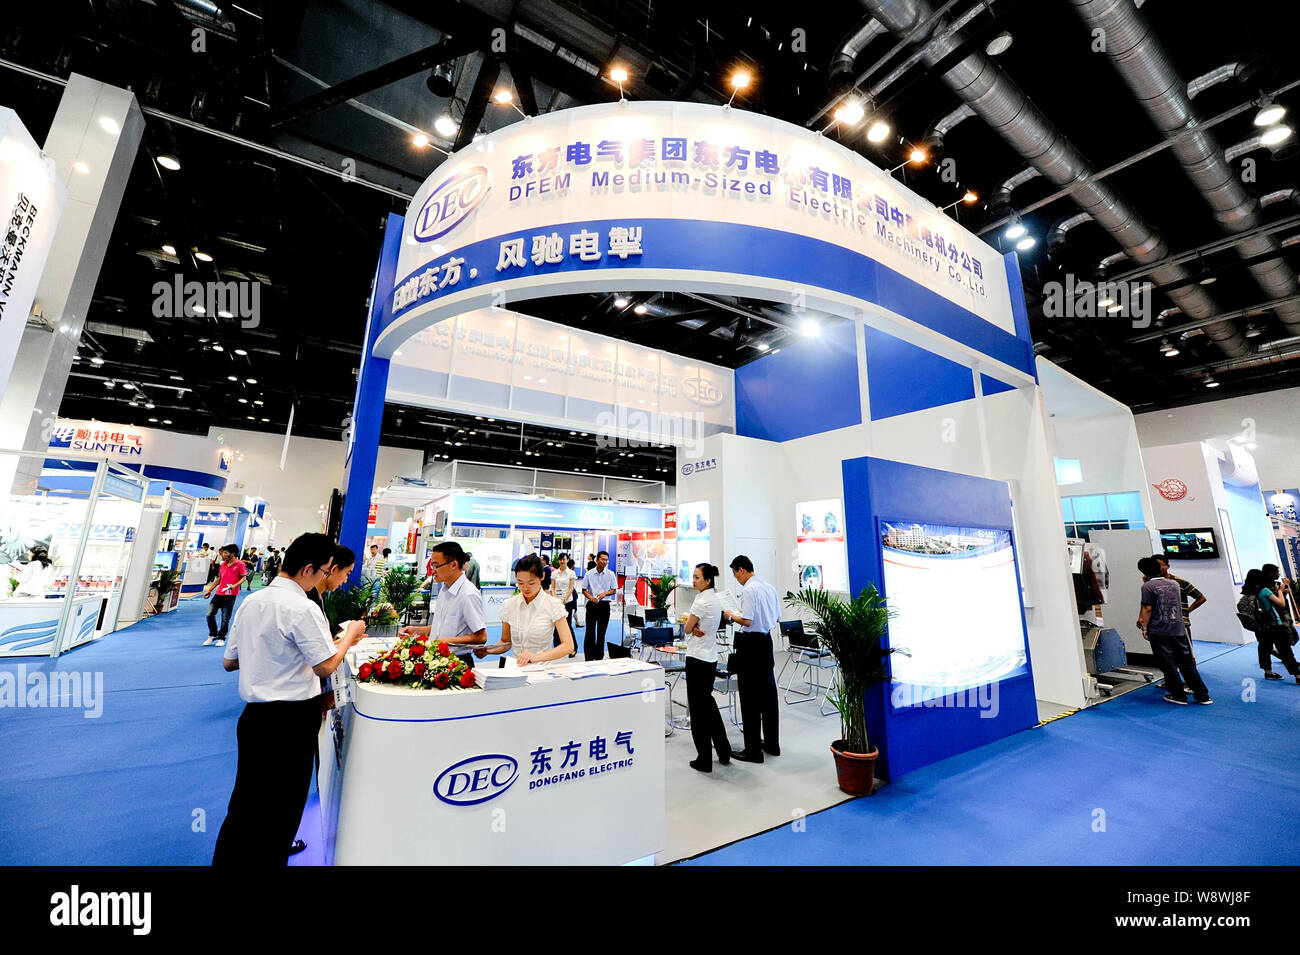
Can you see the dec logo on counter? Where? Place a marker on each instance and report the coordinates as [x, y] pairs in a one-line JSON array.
[[476, 780]]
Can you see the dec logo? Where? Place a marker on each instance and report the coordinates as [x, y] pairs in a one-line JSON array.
[[451, 202], [476, 780], [702, 390]]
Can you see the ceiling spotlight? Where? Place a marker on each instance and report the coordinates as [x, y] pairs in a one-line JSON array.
[[1027, 243], [1114, 309], [232, 378], [169, 248], [763, 346], [251, 381], [1015, 230], [167, 420], [810, 327], [445, 126], [128, 386], [218, 348], [999, 44], [1269, 113], [238, 351], [1211, 383], [917, 155], [258, 403], [1209, 280], [419, 140], [640, 309], [200, 310], [970, 196], [266, 419], [153, 420], [222, 313], [1171, 352], [149, 405], [243, 401], [1253, 331], [504, 96], [96, 360], [169, 162], [202, 256], [851, 112], [620, 302], [618, 75], [110, 384], [1104, 302], [440, 81], [740, 79], [1275, 135], [878, 132]]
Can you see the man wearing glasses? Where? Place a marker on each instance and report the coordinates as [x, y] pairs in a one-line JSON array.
[[281, 646], [458, 612]]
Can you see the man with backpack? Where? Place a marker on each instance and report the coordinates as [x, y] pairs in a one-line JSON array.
[[1260, 611]]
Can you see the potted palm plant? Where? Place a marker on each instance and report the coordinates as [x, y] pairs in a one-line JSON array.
[[661, 590], [853, 631], [166, 584]]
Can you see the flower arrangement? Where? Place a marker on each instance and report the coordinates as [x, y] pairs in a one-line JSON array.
[[385, 615], [416, 663]]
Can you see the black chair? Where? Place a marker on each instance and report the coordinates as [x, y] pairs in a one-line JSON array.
[[618, 651], [806, 651], [652, 615], [632, 633]]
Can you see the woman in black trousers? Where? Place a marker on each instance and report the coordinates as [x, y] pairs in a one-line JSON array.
[[701, 631]]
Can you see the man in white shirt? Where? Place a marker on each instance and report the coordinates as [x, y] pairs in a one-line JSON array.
[[458, 612], [281, 646], [368, 565], [760, 611], [598, 587]]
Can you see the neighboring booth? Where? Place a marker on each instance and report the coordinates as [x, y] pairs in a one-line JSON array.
[[913, 401], [91, 534], [1214, 526]]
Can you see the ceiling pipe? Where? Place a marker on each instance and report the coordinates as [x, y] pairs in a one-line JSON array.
[[841, 74], [1145, 66], [945, 124], [1113, 259], [1000, 203], [1280, 195], [1220, 74], [980, 82], [1056, 234]]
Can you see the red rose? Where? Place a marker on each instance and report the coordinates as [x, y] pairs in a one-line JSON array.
[[417, 649], [394, 670], [365, 671], [467, 679], [419, 669], [444, 649], [442, 681]]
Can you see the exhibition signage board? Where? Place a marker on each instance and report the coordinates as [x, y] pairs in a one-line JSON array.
[[486, 509], [655, 194], [819, 544], [496, 360], [167, 456], [31, 202]]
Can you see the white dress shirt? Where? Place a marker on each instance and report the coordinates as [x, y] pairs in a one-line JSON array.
[[708, 609], [458, 610], [598, 581], [33, 579], [278, 635], [563, 581], [532, 625], [760, 605]]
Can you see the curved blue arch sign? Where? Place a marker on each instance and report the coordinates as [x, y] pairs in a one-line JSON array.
[[660, 196]]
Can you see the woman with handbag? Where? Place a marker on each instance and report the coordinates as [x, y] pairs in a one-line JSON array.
[[1273, 635]]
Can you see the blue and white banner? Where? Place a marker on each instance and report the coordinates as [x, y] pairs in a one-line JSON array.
[[486, 509]]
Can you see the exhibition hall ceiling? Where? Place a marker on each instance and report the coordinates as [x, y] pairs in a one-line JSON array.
[[285, 178]]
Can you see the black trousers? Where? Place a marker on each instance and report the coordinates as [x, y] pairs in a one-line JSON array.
[[225, 603], [569, 608], [707, 729], [277, 753], [756, 683], [1174, 656], [593, 643], [1276, 639]]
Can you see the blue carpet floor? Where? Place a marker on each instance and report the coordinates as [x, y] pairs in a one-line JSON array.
[[147, 781], [1173, 785]]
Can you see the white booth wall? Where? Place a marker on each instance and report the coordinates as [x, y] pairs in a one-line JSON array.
[[756, 485]]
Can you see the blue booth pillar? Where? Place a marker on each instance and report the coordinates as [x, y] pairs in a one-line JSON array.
[[368, 407]]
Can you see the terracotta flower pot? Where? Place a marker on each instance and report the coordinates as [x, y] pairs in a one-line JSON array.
[[856, 771]]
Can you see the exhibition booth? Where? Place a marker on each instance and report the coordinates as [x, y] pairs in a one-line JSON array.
[[903, 442]]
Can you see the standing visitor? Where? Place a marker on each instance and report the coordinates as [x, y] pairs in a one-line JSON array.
[[1189, 596], [380, 566], [458, 612], [281, 646], [471, 570], [1161, 623], [231, 575], [546, 574], [1272, 635], [599, 587], [368, 568], [760, 611], [564, 589], [707, 730]]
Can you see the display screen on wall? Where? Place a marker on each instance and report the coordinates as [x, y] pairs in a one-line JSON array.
[[819, 543], [1190, 544], [692, 537], [957, 609]]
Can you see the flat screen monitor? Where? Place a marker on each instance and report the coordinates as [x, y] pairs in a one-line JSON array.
[[1195, 543]]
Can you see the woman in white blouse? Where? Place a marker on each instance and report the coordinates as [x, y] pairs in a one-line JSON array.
[[564, 587], [701, 628], [530, 618], [34, 576]]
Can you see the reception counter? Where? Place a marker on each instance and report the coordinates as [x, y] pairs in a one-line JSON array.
[[567, 770], [28, 625]]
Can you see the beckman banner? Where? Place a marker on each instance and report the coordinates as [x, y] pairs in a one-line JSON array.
[[31, 199], [629, 196]]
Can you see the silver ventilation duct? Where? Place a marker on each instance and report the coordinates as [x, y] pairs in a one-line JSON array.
[[1221, 74], [1112, 259], [1001, 201], [980, 82], [1280, 195], [842, 74], [1056, 234], [1144, 64], [945, 124]]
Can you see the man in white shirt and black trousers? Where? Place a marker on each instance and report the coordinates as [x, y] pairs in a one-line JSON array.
[[760, 611], [281, 645], [599, 587], [458, 618]]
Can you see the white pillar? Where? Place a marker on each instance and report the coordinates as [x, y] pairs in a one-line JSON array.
[[93, 143]]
